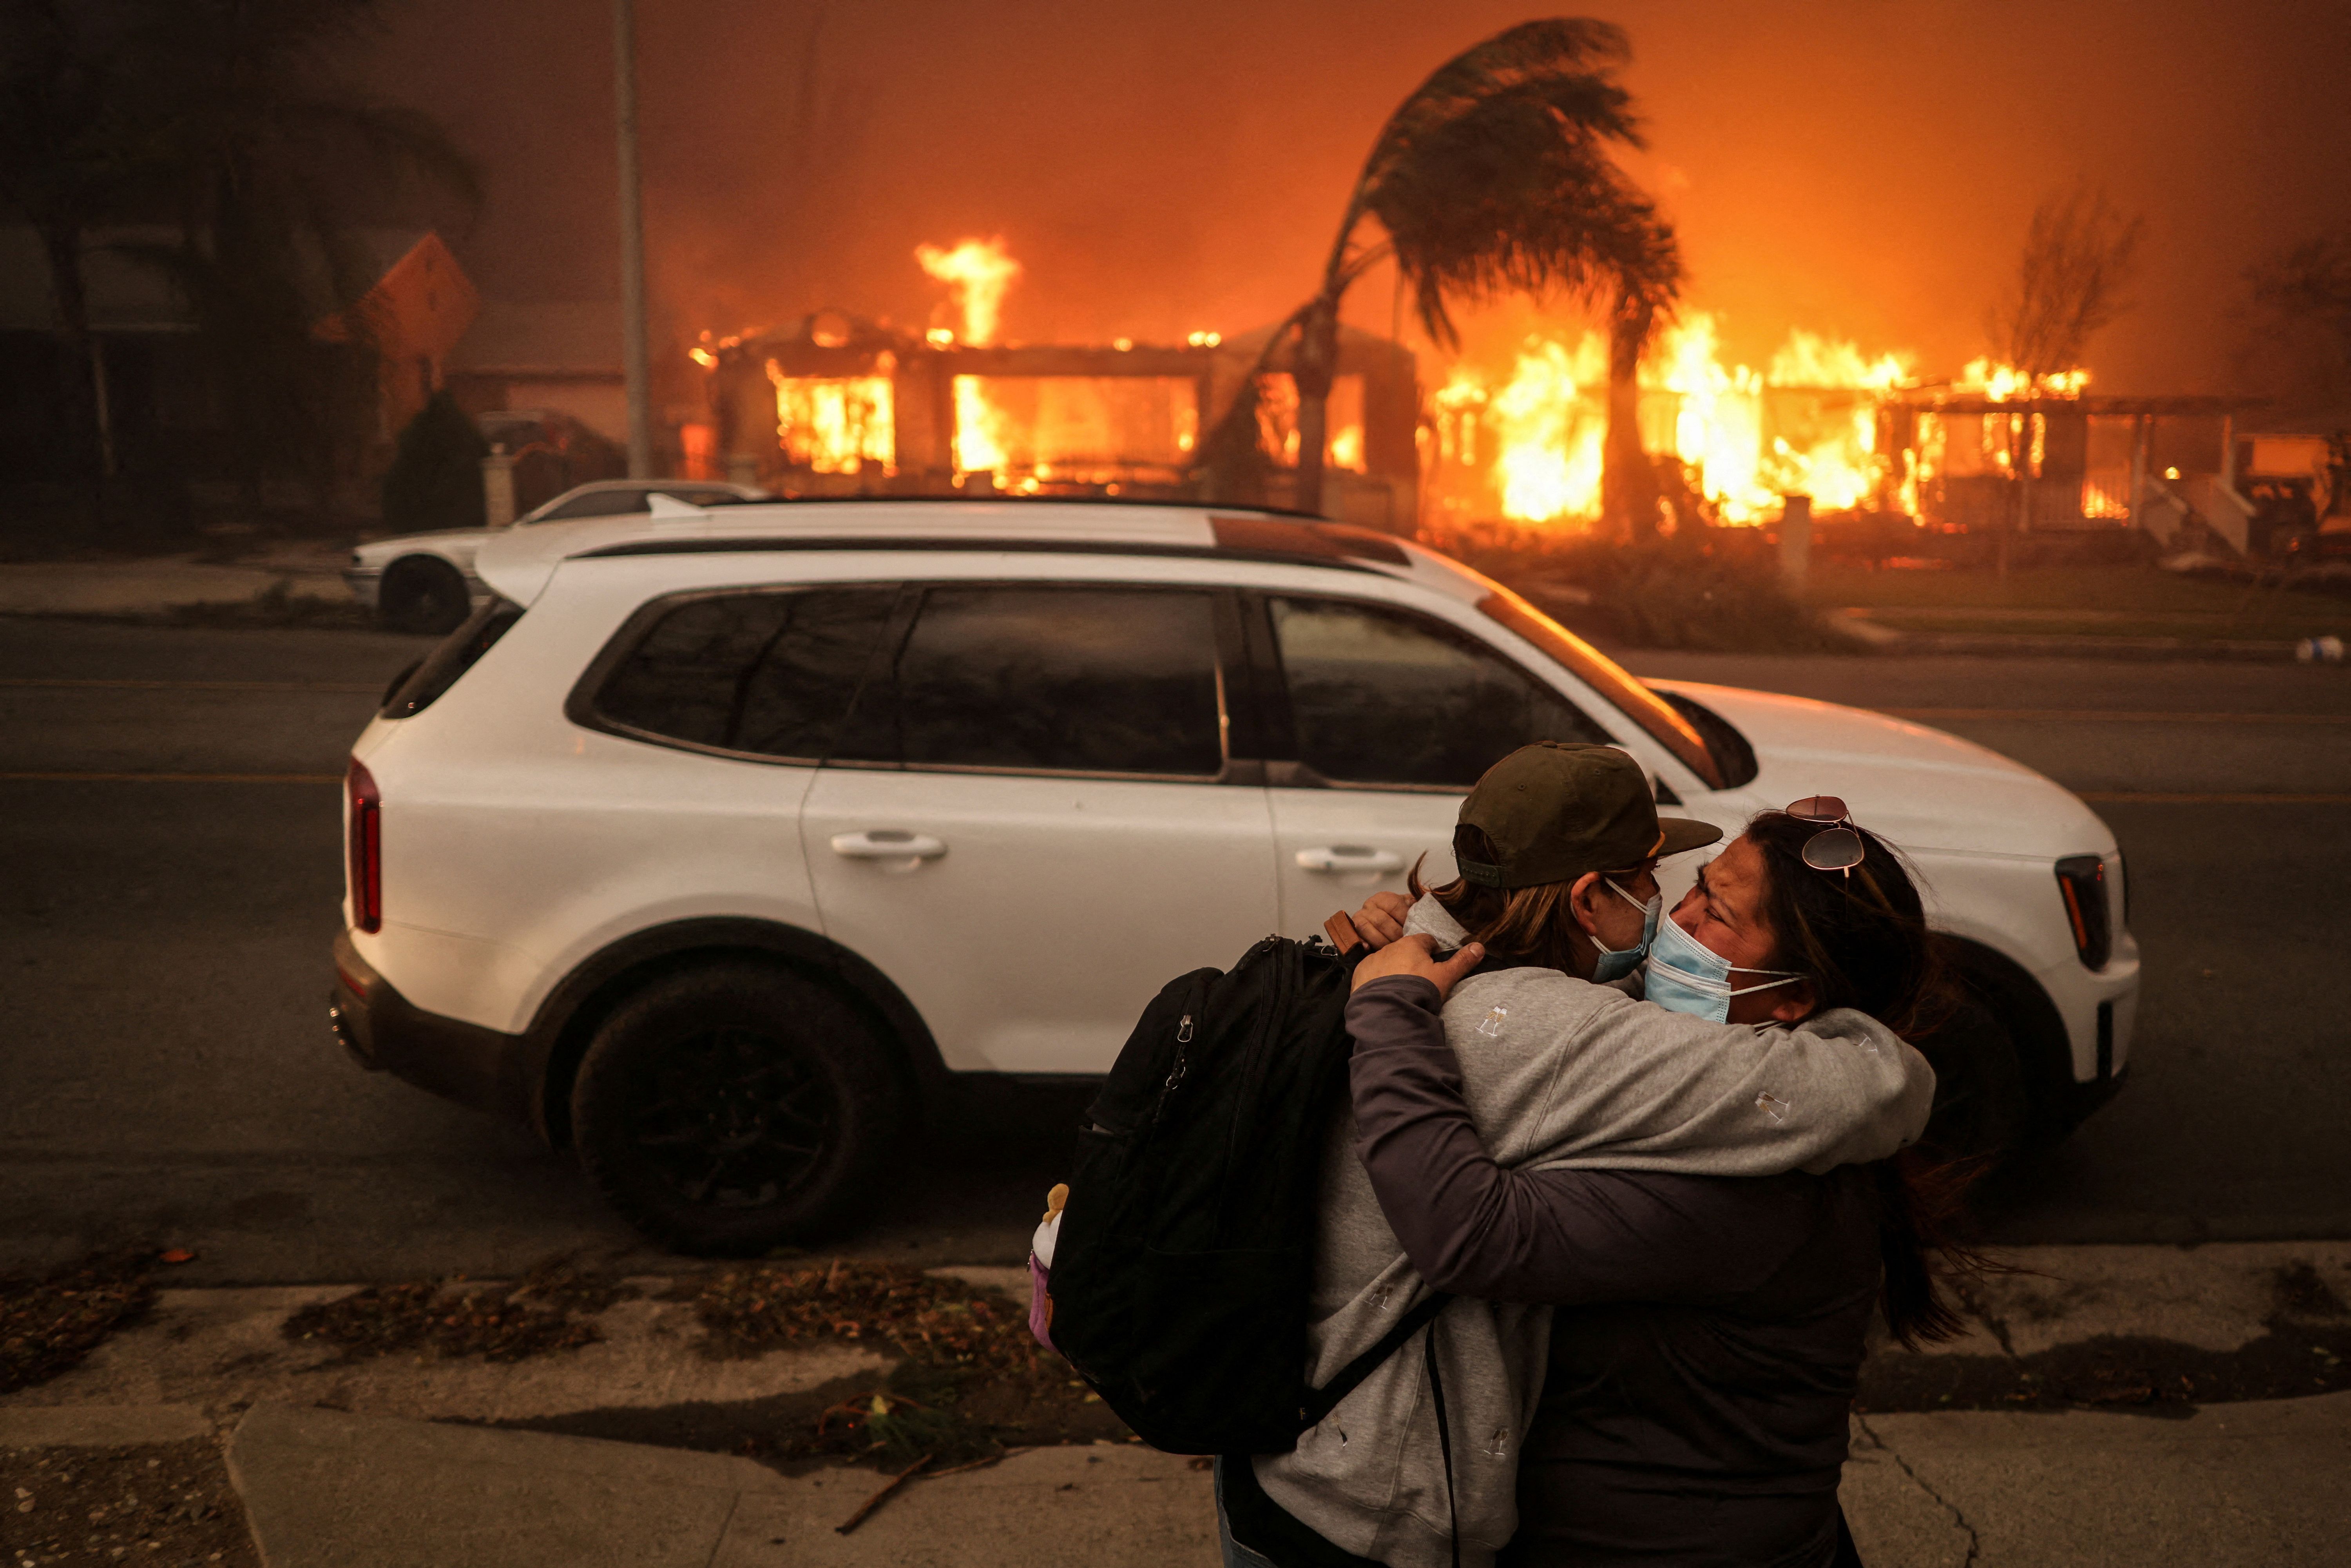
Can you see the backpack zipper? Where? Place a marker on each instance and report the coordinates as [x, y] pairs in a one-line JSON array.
[[1183, 1039]]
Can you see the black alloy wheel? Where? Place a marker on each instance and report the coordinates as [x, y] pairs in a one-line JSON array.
[[730, 1109], [423, 593]]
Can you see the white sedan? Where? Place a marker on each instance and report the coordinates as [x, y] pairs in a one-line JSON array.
[[425, 583]]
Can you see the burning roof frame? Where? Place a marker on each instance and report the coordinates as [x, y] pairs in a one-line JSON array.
[[923, 369]]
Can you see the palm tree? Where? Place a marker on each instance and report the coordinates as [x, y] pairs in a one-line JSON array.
[[1492, 177], [1644, 292]]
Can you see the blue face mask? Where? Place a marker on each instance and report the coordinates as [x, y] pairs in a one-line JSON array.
[[1688, 976], [1615, 963]]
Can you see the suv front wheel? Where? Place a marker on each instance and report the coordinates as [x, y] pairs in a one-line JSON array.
[[731, 1108]]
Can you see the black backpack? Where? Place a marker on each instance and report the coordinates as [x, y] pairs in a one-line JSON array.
[[1185, 1255]]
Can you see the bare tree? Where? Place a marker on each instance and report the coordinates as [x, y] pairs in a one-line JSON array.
[[2296, 324], [2080, 254]]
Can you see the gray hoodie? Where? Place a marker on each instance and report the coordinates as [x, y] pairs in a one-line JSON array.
[[1556, 1072]]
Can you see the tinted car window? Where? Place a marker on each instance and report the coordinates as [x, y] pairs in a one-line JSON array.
[[1085, 680], [451, 657], [771, 673], [1383, 696], [600, 503], [620, 503]]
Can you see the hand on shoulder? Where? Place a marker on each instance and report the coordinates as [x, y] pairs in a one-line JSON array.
[[1417, 955]]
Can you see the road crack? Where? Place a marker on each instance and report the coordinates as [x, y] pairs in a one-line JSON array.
[[1975, 1541]]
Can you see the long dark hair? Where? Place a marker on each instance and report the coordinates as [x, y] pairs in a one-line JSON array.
[[1862, 940]]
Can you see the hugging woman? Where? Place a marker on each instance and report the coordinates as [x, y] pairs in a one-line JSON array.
[[1662, 1228]]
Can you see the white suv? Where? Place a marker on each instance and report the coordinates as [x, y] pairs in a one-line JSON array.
[[723, 846]]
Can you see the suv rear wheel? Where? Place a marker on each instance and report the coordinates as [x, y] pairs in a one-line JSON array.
[[727, 1109], [1982, 1110]]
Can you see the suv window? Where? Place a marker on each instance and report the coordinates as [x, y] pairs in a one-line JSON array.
[[451, 657], [1385, 696], [1044, 679], [770, 672]]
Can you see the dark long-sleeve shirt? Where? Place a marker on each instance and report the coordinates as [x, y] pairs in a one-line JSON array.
[[1709, 1331]]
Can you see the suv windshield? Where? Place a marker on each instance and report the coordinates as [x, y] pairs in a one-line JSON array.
[[1587, 663], [620, 503]]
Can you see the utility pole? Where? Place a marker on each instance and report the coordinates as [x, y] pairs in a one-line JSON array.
[[636, 359]]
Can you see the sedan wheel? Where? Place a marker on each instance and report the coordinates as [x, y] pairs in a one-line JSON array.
[[423, 595], [732, 1109]]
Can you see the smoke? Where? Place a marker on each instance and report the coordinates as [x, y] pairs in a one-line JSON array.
[[1864, 168]]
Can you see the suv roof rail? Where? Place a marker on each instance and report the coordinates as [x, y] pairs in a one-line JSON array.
[[1250, 538], [1006, 499]]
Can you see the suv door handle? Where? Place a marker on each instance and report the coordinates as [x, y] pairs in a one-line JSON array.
[[888, 844], [1340, 859]]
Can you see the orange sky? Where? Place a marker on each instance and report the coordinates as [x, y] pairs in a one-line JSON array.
[[1862, 167]]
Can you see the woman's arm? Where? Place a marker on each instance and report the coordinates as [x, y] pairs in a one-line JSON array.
[[1563, 1237]]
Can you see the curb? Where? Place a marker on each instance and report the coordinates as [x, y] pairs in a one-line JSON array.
[[1856, 622], [98, 1426]]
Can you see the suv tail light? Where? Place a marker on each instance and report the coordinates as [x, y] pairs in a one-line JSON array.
[[367, 847], [2082, 882]]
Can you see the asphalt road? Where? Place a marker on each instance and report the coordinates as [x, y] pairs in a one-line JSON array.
[[166, 1073]]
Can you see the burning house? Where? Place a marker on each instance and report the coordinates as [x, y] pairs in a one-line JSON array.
[[836, 405], [1862, 437]]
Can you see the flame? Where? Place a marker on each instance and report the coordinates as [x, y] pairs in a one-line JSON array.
[[976, 272], [2003, 383], [1718, 417], [1809, 423], [1548, 431], [1996, 438], [1346, 446], [980, 429], [836, 424]]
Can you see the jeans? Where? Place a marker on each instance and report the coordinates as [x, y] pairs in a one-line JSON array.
[[1236, 1555]]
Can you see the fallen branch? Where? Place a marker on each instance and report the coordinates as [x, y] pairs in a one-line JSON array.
[[958, 1470], [870, 1503]]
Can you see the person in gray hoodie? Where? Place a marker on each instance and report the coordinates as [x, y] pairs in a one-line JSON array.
[[1555, 1071]]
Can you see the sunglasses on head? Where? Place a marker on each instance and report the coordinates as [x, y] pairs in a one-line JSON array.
[[1837, 846]]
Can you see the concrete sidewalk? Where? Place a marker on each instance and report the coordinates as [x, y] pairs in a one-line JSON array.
[[2257, 1485], [392, 1460], [156, 586]]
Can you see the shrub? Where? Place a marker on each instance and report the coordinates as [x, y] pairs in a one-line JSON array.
[[1665, 597], [435, 478], [1712, 590]]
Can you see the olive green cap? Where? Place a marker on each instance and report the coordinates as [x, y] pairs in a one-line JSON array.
[[1557, 810]]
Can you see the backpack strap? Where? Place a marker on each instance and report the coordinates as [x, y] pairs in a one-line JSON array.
[[1321, 1402]]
